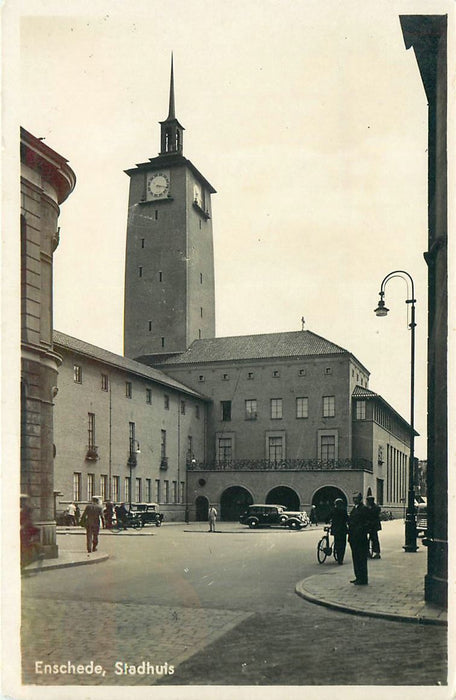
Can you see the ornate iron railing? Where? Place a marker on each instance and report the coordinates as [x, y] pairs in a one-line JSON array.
[[283, 465]]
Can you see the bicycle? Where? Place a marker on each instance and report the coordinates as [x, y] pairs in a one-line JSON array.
[[325, 548]]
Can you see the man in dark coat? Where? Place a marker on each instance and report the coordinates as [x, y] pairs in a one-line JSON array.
[[374, 526], [358, 526], [91, 517], [339, 522]]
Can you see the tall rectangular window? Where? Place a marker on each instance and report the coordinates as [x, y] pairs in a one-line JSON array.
[[157, 490], [197, 411], [183, 407], [103, 487], [166, 482], [360, 410], [174, 491], [276, 409], [328, 447], [91, 431], [182, 492], [132, 437], [138, 490], [224, 449], [226, 410], [104, 382], [148, 395], [166, 402], [77, 374], [148, 490], [163, 445], [302, 407], [250, 409], [77, 482], [116, 489], [128, 390], [90, 486], [275, 449], [127, 489], [329, 406]]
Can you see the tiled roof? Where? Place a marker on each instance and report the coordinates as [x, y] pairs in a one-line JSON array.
[[362, 392], [249, 347], [79, 346]]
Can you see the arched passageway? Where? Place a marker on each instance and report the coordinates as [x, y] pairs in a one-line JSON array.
[[233, 502], [202, 508], [284, 496], [324, 499]]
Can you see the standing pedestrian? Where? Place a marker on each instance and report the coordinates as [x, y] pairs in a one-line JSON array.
[[358, 526], [109, 513], [91, 517], [212, 517], [339, 528], [77, 514], [374, 525], [121, 516], [313, 516], [71, 514]]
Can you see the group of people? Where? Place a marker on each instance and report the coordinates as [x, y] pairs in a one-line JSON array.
[[363, 522], [95, 516]]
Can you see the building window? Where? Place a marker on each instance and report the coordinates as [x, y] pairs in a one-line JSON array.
[[138, 490], [148, 490], [148, 395], [157, 490], [163, 445], [127, 489], [199, 334], [183, 408], [163, 341], [156, 215], [328, 370], [302, 372], [142, 242], [132, 438], [166, 402], [116, 488], [302, 407], [276, 373], [224, 449], [275, 448], [226, 377], [360, 410], [201, 278], [166, 482], [329, 406], [276, 409], [90, 486], [201, 378], [77, 482], [250, 375], [328, 447], [201, 311], [150, 325], [226, 410], [77, 374], [140, 271], [182, 492], [250, 409], [103, 487], [128, 390], [104, 382], [174, 491], [160, 276], [197, 412], [91, 431]]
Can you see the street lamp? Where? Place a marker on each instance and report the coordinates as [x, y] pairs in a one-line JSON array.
[[134, 450], [191, 462], [381, 310]]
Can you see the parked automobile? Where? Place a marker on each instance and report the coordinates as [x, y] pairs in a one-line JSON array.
[[296, 519], [146, 513], [267, 514]]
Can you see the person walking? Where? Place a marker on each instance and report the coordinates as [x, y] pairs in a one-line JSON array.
[[90, 519], [121, 516], [109, 514], [339, 528], [77, 514], [212, 517], [358, 526], [374, 526], [71, 514], [313, 516]]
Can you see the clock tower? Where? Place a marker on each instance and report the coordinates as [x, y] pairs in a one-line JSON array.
[[169, 265]]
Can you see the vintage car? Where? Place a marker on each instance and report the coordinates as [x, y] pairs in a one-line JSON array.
[[145, 514], [296, 519]]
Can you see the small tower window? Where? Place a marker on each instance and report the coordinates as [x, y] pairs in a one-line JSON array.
[[156, 215], [163, 342], [160, 276], [201, 311], [199, 333], [142, 242], [140, 270], [201, 278], [150, 325]]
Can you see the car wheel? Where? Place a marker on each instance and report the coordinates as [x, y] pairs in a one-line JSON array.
[[252, 523], [136, 524], [294, 525], [283, 520], [158, 522]]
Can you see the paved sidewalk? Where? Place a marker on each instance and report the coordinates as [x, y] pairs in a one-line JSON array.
[[396, 583]]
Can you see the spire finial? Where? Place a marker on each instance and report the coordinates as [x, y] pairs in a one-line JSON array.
[[172, 110]]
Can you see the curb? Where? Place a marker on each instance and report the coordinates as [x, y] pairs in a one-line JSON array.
[[34, 569], [302, 593]]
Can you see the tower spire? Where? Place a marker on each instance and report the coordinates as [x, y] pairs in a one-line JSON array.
[[172, 133], [172, 108]]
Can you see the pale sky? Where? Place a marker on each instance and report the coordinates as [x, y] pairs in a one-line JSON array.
[[309, 119]]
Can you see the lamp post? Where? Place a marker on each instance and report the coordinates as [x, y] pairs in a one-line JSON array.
[[134, 450], [381, 310]]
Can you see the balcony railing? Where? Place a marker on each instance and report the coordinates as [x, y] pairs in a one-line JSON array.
[[283, 465], [164, 463], [92, 453]]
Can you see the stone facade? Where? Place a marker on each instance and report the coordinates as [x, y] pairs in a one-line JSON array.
[[46, 181]]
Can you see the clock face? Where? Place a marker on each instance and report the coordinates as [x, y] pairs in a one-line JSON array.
[[157, 185]]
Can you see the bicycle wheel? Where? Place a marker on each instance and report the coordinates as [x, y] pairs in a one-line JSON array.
[[322, 547]]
